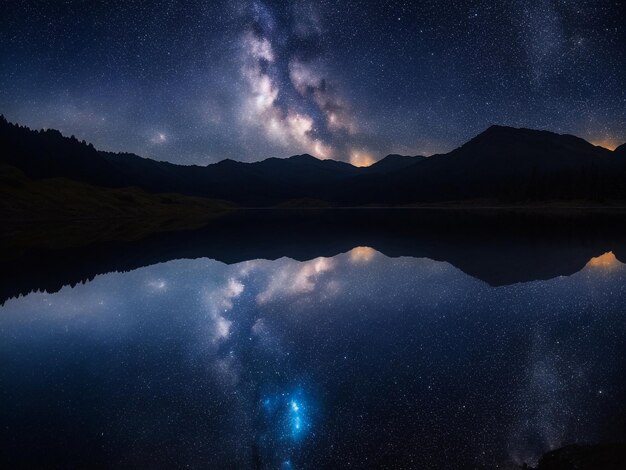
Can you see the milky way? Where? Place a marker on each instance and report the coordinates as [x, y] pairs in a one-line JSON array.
[[202, 81]]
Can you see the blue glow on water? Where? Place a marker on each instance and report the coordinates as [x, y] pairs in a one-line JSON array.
[[297, 420], [289, 415]]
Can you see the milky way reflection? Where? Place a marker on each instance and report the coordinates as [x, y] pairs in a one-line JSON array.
[[357, 360]]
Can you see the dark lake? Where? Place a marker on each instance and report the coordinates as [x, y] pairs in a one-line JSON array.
[[356, 339]]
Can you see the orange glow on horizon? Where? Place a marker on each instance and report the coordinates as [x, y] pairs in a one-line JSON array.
[[359, 158], [606, 261], [606, 143], [362, 254]]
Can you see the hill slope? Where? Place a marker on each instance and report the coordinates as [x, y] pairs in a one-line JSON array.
[[392, 163], [47, 154], [24, 198]]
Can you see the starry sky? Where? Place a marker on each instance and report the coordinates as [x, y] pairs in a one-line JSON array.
[[353, 361], [197, 81]]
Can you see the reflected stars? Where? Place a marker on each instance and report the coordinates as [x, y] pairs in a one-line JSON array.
[[158, 285], [218, 303], [407, 351], [158, 138], [296, 419], [295, 279], [288, 414], [287, 422]]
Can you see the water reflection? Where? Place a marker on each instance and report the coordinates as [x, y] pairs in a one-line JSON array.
[[356, 360], [497, 247], [605, 261]]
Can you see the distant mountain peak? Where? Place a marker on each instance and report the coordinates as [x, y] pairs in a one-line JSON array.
[[499, 128], [303, 157], [394, 162], [621, 150], [496, 129], [397, 156], [228, 162], [526, 139]]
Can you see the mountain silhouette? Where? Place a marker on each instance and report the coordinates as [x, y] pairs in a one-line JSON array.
[[504, 164], [604, 456], [48, 199], [500, 165], [393, 162], [621, 150]]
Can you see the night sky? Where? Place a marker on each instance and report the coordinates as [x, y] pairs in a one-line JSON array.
[[200, 81]]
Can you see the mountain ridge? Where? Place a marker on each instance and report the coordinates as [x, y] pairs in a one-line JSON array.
[[501, 164]]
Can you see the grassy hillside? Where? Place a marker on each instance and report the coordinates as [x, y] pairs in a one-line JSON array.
[[60, 198], [58, 212]]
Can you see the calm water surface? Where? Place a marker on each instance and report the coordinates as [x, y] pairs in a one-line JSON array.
[[352, 361]]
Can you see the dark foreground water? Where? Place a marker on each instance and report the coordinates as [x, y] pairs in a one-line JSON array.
[[356, 360]]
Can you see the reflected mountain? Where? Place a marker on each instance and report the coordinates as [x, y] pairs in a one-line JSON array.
[[497, 247]]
